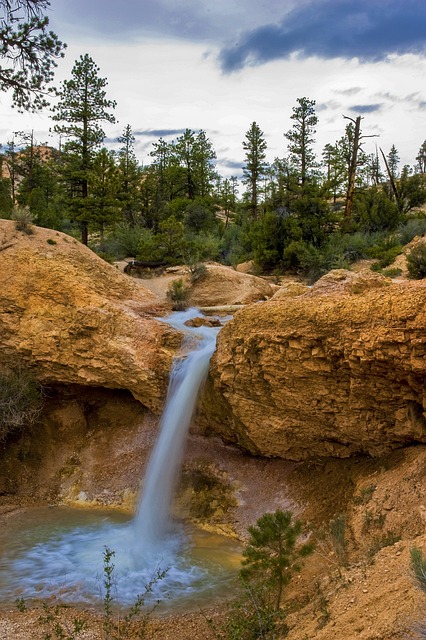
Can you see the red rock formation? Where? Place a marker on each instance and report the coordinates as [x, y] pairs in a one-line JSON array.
[[336, 370], [76, 320]]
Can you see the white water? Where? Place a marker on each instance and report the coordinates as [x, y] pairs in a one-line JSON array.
[[153, 521], [63, 550]]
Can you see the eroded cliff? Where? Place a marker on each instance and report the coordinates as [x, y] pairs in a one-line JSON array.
[[333, 370], [76, 320]]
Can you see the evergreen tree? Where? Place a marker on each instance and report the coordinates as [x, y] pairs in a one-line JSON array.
[[273, 552], [421, 158], [28, 51], [335, 170], [255, 167], [204, 169], [82, 105], [103, 204], [195, 154], [130, 177], [301, 137], [393, 162]]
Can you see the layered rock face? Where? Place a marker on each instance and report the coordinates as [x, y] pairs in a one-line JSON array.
[[77, 320], [333, 370]]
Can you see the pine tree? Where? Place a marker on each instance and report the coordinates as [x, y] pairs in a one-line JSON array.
[[301, 137], [28, 50], [255, 167], [103, 204], [273, 552], [130, 177], [82, 106]]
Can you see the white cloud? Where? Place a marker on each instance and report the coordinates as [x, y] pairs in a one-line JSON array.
[[171, 84]]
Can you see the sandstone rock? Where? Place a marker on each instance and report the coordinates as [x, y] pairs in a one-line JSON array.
[[224, 286], [337, 370], [76, 320]]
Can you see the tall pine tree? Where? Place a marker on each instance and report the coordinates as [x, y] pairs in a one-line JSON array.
[[255, 167], [82, 106]]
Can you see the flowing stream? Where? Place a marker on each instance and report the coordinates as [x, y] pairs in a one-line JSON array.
[[59, 550]]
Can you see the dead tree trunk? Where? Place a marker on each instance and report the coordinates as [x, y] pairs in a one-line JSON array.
[[352, 174]]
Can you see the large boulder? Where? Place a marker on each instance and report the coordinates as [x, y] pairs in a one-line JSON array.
[[76, 320], [335, 370], [223, 285]]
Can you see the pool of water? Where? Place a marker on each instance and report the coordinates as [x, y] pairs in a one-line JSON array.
[[59, 551]]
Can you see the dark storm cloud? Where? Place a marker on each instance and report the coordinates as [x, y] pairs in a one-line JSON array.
[[328, 29], [365, 108], [230, 164], [195, 20]]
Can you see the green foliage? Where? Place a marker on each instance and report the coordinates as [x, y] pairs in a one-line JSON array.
[[387, 539], [416, 262], [198, 272], [365, 494], [116, 624], [28, 51], [273, 552], [178, 294], [251, 616], [301, 137], [24, 220], [331, 541], [255, 165], [6, 202], [57, 625], [410, 229], [271, 557], [82, 106], [383, 247], [393, 272], [374, 211], [418, 567], [20, 401]]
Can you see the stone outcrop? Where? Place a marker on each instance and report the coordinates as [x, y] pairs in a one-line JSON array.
[[224, 286], [76, 320], [336, 370]]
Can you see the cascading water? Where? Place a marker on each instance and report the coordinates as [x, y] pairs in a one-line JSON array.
[[56, 554], [152, 522]]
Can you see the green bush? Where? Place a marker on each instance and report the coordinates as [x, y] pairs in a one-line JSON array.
[[271, 557], [24, 220], [416, 262], [178, 294], [418, 568], [20, 401], [412, 228], [198, 271]]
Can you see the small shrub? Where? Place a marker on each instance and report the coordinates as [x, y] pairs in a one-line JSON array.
[[365, 494], [51, 241], [178, 294], [24, 220], [20, 401], [198, 272], [412, 228], [418, 566], [393, 272], [416, 262], [385, 256], [386, 540]]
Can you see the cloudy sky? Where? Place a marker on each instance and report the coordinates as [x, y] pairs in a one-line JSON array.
[[219, 66]]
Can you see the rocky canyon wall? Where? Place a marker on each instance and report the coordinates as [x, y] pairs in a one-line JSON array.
[[332, 370]]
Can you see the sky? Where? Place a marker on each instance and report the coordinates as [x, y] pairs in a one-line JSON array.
[[221, 65]]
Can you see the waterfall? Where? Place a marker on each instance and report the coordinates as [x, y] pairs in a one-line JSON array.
[[152, 522], [61, 554]]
